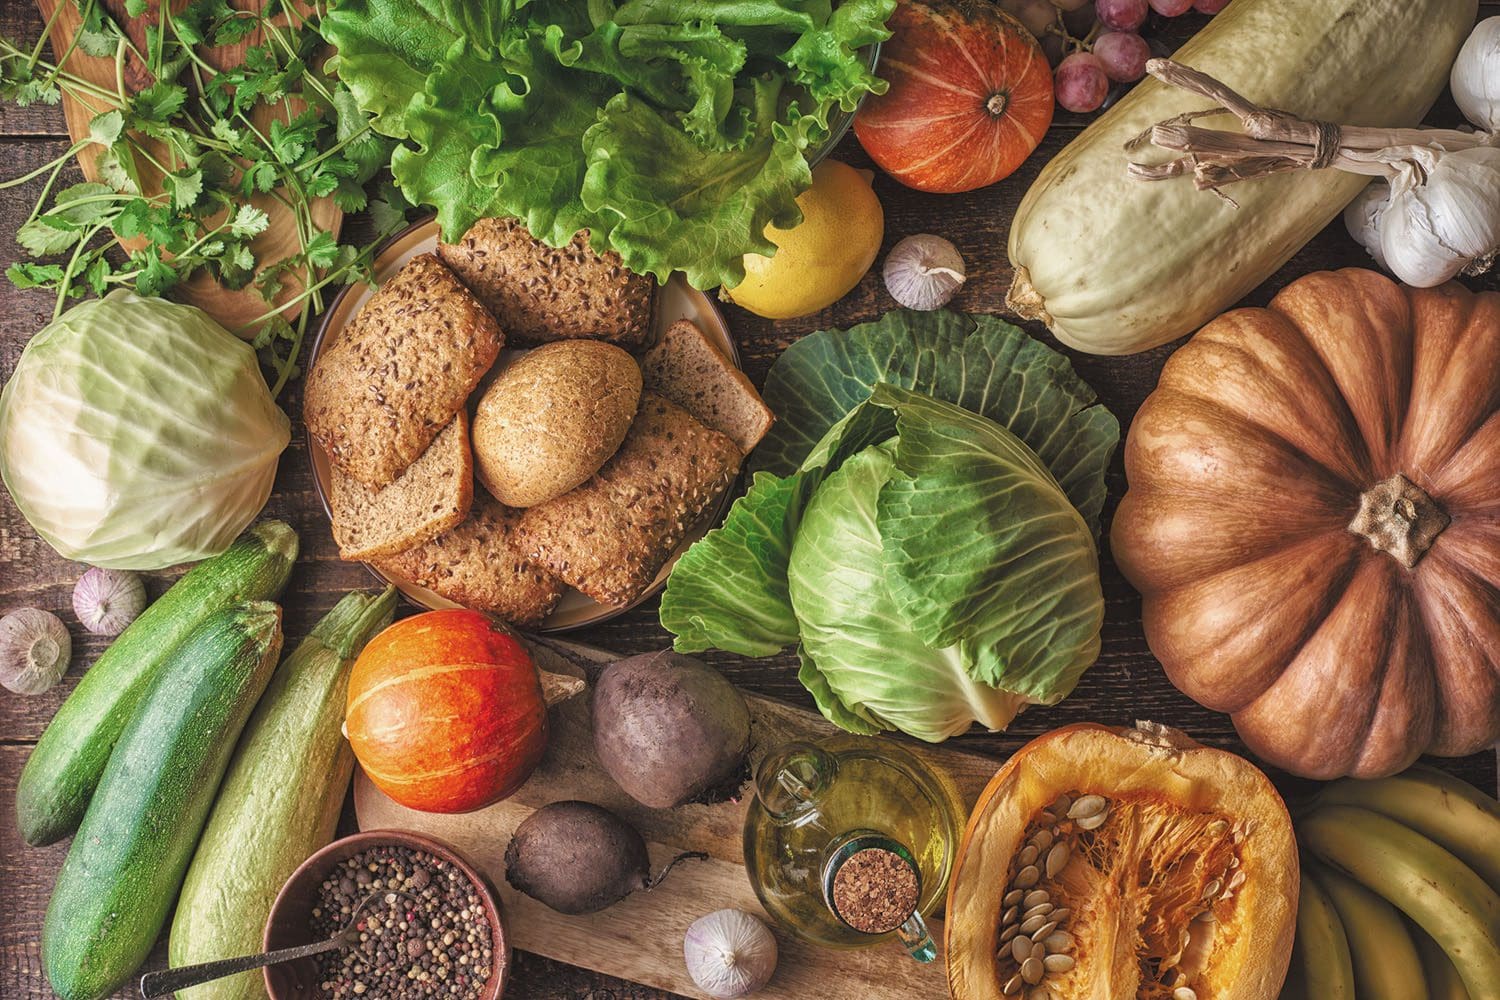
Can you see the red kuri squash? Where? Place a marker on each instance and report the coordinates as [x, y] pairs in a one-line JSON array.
[[446, 712], [1313, 521], [970, 96]]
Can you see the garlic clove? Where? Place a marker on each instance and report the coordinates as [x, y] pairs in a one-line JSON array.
[[108, 600], [1475, 77], [924, 272], [34, 651], [729, 953], [1442, 219], [1363, 216]]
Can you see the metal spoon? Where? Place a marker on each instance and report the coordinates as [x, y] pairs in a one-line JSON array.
[[166, 982]]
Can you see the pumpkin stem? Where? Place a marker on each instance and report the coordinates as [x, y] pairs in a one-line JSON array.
[[1397, 517], [559, 687], [997, 103]]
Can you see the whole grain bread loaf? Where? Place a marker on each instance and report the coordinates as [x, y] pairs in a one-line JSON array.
[[481, 564], [541, 293], [433, 494], [610, 536], [690, 370], [399, 372]]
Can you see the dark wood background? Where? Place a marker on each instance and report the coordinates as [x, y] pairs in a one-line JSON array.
[[1126, 684]]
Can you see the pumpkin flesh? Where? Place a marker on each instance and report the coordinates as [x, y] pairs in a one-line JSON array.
[[1313, 521], [1189, 831]]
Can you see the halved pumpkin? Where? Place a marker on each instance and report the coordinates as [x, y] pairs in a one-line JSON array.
[[1132, 864]]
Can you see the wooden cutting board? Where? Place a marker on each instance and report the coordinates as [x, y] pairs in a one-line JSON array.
[[234, 309], [640, 938]]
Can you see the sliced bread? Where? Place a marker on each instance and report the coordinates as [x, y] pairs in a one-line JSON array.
[[690, 370], [541, 293], [431, 496], [399, 372], [610, 536], [481, 565]]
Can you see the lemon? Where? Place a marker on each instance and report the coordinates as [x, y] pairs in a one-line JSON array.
[[818, 261]]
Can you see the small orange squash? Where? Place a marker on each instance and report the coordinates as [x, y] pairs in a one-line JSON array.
[[446, 712], [1123, 863], [1313, 521]]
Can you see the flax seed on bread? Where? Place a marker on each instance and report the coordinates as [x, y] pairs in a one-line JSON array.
[[541, 293], [396, 375], [482, 565], [610, 536], [433, 494], [690, 370]]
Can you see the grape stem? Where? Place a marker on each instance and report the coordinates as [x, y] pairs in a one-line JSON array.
[[1276, 141]]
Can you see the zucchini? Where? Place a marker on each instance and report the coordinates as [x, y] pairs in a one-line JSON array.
[[126, 864], [1114, 265], [66, 763], [280, 800]]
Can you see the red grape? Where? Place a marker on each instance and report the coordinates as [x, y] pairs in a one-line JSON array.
[[1123, 55], [1209, 6], [1121, 15], [1171, 8], [1081, 82]]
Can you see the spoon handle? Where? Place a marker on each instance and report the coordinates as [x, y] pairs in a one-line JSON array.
[[168, 981]]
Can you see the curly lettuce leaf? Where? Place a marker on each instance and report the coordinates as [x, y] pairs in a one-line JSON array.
[[981, 363]]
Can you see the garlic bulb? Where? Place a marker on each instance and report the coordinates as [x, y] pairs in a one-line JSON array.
[[1438, 225], [34, 650], [924, 272], [729, 954], [1475, 77], [1362, 218], [108, 600]]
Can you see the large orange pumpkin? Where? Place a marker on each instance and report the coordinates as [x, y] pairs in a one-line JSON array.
[[446, 712], [1313, 521]]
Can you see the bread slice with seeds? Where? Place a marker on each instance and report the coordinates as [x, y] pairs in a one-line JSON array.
[[610, 536], [690, 370], [481, 564], [431, 496], [396, 375], [541, 293]]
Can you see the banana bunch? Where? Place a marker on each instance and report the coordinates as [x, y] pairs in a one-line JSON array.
[[1400, 892]]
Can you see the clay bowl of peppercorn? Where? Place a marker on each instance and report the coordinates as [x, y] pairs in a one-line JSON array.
[[428, 924]]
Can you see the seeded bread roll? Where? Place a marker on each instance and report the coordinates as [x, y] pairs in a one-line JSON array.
[[541, 293], [431, 496], [481, 565], [610, 536], [690, 370], [552, 418], [396, 375]]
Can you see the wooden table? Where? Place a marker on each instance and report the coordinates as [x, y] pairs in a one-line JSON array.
[[1126, 684]]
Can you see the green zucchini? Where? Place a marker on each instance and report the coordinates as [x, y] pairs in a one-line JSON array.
[[63, 769], [280, 800], [132, 849]]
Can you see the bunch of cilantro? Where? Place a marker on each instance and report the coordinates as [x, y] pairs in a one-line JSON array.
[[673, 130], [180, 157]]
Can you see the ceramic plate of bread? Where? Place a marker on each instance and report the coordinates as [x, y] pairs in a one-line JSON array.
[[530, 431]]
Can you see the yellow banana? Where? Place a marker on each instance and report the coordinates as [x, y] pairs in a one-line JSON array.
[[1442, 978], [1386, 964], [1326, 969], [1437, 805], [1425, 881]]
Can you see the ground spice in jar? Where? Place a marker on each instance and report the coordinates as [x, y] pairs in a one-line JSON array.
[[426, 935], [875, 891]]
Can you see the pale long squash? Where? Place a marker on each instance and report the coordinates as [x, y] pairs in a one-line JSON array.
[[1115, 265]]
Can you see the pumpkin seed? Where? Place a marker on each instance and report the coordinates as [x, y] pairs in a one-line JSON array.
[[1034, 898], [1020, 949], [1027, 856], [1039, 910], [1042, 839], [1060, 914], [1040, 934], [1058, 963], [1027, 877], [1218, 828], [1045, 818], [1009, 933], [1034, 924], [1057, 859], [1237, 880], [1013, 898], [1089, 805], [1184, 993], [1093, 822], [1040, 993], [1012, 985], [1058, 941], [1010, 916], [1212, 889], [1032, 971], [1062, 804]]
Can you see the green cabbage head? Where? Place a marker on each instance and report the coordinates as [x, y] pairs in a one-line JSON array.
[[137, 433]]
